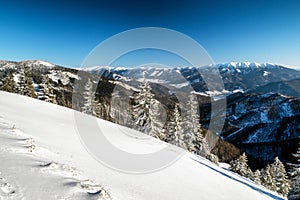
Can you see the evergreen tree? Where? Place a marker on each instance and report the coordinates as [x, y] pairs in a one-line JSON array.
[[200, 144], [194, 139], [240, 166], [141, 108], [256, 176], [294, 193], [21, 82], [62, 100], [25, 84], [191, 125], [156, 120], [9, 84], [101, 109], [213, 158], [174, 133], [89, 99], [267, 179], [145, 110], [280, 177], [46, 91]]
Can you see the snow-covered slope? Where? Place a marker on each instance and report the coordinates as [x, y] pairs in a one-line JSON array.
[[53, 130]]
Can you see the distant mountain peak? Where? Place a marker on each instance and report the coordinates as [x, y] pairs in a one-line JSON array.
[[247, 65], [38, 62], [29, 63]]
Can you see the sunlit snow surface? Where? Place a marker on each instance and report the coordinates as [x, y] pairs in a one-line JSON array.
[[59, 167]]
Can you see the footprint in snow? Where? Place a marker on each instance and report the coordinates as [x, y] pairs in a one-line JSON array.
[[6, 189], [28, 143], [86, 186], [57, 168], [95, 189]]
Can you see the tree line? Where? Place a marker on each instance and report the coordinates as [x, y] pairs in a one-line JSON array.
[[274, 176]]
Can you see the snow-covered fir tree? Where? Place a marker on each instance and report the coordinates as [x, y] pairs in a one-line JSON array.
[[267, 179], [89, 98], [191, 125], [240, 166], [9, 84], [25, 84], [294, 193], [256, 176], [143, 118], [21, 83], [141, 107], [280, 177], [174, 132], [156, 120], [200, 144], [46, 91]]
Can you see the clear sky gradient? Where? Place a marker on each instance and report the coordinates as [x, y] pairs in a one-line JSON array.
[[64, 32]]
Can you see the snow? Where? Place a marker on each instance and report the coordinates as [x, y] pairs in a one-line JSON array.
[[151, 80], [17, 78], [64, 77], [180, 85], [224, 165], [57, 166], [28, 171], [154, 73], [245, 67], [238, 90], [266, 73], [160, 73], [41, 62]]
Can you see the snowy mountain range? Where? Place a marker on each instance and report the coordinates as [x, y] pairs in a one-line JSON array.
[[235, 75]]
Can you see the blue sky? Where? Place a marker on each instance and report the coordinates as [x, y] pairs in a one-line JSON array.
[[64, 32]]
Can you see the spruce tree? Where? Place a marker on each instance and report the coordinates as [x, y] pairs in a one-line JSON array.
[[294, 193], [25, 84], [198, 144], [9, 84], [49, 90], [156, 120], [267, 179], [21, 82], [174, 133], [62, 100], [101, 109], [142, 115], [256, 176], [191, 125], [29, 83], [240, 166], [280, 177], [46, 91], [89, 99]]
